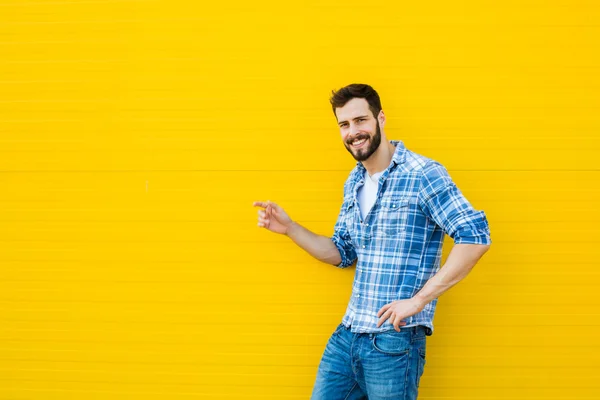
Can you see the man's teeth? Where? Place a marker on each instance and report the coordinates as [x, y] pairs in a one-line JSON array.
[[358, 142]]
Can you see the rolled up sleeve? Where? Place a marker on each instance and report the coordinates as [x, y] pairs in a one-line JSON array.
[[342, 240], [442, 201]]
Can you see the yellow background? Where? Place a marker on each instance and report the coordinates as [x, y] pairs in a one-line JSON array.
[[134, 136]]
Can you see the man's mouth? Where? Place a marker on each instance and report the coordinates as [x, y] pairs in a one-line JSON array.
[[358, 143]]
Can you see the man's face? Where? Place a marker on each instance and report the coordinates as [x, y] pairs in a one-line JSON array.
[[361, 133]]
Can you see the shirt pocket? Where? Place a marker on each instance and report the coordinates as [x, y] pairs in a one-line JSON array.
[[393, 215]]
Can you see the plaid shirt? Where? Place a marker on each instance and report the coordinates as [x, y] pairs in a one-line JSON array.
[[399, 243]]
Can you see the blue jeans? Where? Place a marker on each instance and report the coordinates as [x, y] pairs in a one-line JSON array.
[[386, 365]]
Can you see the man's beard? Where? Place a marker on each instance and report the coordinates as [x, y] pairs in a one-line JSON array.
[[363, 153]]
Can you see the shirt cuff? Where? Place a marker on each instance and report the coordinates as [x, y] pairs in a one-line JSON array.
[[346, 261], [472, 237]]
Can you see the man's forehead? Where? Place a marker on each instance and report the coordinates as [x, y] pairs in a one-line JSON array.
[[352, 109]]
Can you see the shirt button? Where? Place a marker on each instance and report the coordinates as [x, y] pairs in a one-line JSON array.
[[393, 206], [364, 247], [358, 295], [367, 224]]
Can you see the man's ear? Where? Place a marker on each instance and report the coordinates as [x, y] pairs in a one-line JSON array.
[[381, 118]]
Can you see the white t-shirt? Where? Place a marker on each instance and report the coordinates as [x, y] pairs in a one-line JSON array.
[[367, 193]]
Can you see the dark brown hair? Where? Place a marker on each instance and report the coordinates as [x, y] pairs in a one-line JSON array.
[[347, 93]]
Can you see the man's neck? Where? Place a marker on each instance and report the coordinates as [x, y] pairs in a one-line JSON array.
[[380, 159]]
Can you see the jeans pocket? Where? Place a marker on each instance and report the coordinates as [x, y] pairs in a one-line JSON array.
[[393, 344]]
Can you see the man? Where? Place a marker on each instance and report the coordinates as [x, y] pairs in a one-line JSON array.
[[397, 207]]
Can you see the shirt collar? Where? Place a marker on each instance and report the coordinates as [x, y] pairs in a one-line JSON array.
[[399, 155]]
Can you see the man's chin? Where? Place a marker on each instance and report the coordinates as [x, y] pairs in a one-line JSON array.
[[358, 154]]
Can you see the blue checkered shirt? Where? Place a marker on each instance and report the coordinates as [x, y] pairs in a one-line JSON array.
[[399, 243]]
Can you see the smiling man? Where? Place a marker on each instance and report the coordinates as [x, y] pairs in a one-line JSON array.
[[397, 207]]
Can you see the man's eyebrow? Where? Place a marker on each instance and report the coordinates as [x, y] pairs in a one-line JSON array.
[[360, 116]]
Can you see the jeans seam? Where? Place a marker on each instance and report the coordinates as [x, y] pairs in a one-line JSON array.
[[351, 389], [406, 376], [420, 366]]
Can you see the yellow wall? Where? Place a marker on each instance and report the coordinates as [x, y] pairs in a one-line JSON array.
[[134, 136]]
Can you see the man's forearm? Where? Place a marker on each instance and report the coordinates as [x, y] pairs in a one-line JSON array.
[[461, 260], [318, 246]]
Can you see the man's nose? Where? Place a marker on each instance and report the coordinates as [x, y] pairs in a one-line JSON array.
[[353, 130]]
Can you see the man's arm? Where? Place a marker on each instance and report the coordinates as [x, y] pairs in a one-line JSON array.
[[320, 247], [460, 261], [336, 250]]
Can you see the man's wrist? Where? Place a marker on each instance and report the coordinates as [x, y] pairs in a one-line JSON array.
[[290, 227], [421, 300]]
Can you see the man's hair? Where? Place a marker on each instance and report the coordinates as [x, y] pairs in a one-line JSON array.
[[347, 93]]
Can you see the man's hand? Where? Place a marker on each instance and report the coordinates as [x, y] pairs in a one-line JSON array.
[[273, 217], [398, 310]]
